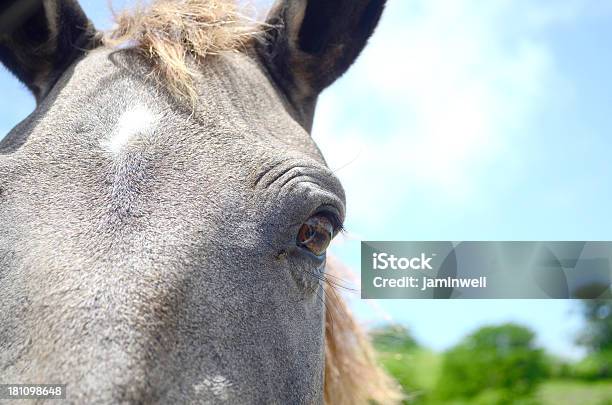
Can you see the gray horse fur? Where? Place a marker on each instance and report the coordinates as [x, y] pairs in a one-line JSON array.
[[147, 251]]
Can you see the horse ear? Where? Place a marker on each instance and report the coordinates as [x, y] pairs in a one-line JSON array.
[[39, 39], [312, 42]]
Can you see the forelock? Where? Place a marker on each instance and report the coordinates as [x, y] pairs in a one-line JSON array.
[[173, 34]]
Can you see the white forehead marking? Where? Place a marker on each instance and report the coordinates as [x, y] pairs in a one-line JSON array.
[[138, 121]]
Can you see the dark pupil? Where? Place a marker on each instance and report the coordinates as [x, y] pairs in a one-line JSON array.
[[309, 232], [315, 234]]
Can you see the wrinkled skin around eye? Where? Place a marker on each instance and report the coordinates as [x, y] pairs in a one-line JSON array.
[[316, 234]]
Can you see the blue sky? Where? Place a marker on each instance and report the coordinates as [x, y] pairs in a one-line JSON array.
[[464, 120]]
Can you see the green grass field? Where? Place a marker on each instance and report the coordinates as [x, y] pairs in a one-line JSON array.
[[417, 371], [568, 392]]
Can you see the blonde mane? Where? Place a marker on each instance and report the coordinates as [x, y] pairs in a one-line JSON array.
[[352, 372], [171, 33]]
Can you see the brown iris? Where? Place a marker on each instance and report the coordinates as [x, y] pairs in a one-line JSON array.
[[316, 234]]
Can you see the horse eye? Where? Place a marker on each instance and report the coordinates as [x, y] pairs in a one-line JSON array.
[[316, 234]]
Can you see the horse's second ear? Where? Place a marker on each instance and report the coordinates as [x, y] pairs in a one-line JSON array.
[[312, 42], [39, 39]]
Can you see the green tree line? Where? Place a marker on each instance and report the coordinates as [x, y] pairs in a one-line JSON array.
[[502, 364]]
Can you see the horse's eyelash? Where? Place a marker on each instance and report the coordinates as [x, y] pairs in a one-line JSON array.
[[337, 223]]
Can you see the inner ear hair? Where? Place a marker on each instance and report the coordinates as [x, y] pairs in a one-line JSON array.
[[14, 13], [310, 43], [43, 38]]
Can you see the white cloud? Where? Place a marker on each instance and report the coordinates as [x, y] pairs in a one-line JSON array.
[[442, 91]]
